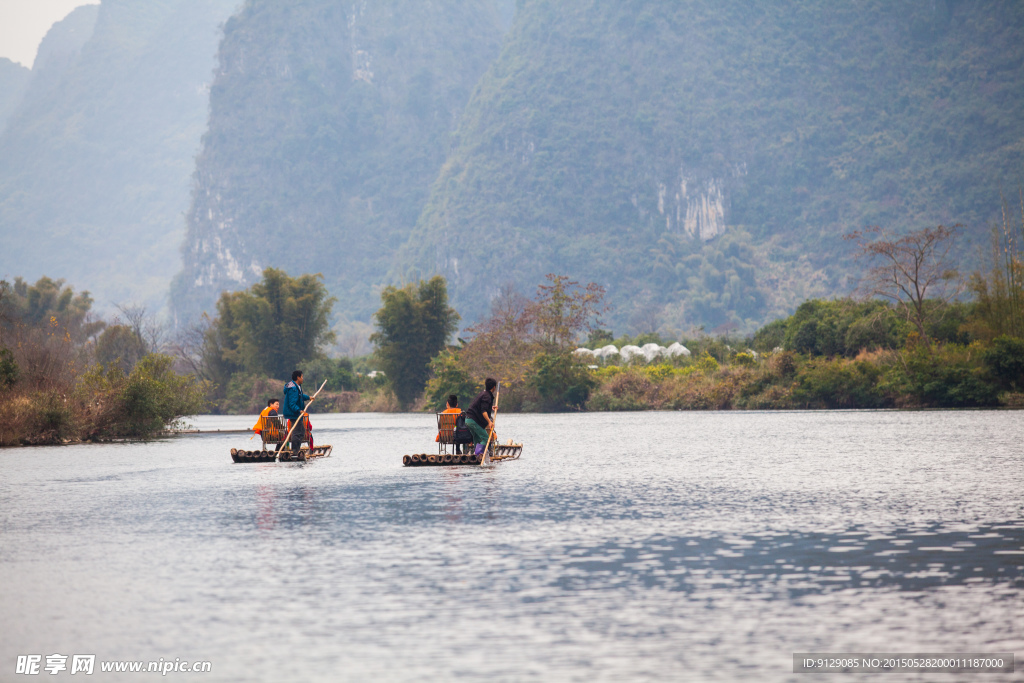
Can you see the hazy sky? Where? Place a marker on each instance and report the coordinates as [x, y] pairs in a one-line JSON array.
[[23, 23]]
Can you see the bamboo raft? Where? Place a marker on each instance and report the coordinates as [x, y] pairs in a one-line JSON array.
[[499, 452], [284, 455]]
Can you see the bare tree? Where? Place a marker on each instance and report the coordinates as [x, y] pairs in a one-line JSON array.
[[191, 348], [145, 326], [917, 272], [564, 309]]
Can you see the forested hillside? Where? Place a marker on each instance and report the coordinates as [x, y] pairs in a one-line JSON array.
[[701, 159], [328, 123], [95, 160]]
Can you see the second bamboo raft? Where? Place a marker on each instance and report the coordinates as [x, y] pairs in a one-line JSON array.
[[498, 453]]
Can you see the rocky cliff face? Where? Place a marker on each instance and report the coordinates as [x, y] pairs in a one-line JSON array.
[[701, 159], [96, 159], [684, 153], [328, 123]]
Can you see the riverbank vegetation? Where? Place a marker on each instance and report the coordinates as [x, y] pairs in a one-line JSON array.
[[917, 335], [911, 339], [66, 376]]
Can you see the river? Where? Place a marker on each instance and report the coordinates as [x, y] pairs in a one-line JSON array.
[[621, 546]]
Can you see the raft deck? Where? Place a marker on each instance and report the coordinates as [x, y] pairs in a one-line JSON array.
[[284, 455], [498, 453]]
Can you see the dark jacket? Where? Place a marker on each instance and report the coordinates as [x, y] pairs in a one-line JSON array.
[[294, 400], [480, 406]]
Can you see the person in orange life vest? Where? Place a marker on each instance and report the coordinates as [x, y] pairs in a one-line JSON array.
[[452, 408], [273, 405]]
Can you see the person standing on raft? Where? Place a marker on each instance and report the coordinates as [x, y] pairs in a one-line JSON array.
[[480, 415], [294, 407]]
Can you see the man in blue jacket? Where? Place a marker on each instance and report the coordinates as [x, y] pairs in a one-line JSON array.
[[294, 407]]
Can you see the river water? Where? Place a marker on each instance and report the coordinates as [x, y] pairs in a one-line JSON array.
[[628, 546]]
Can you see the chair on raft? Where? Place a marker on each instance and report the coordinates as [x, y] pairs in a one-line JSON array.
[[273, 429], [446, 431]]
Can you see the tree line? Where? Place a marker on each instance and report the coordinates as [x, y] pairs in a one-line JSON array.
[[917, 333]]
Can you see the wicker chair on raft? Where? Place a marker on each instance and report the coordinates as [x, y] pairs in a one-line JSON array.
[[446, 431]]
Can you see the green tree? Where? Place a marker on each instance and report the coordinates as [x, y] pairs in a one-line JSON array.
[[449, 375], [275, 325], [838, 327], [563, 309], [47, 303], [413, 325], [337, 372], [120, 345], [999, 293], [562, 381]]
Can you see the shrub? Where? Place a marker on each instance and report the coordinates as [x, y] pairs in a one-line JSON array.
[[138, 405], [783, 364], [155, 398], [628, 390], [838, 384], [608, 371], [944, 377], [659, 373], [704, 392], [53, 418], [744, 359], [707, 363], [1005, 361], [766, 397]]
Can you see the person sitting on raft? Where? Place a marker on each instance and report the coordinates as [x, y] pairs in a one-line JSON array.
[[294, 408], [273, 405], [479, 415], [452, 409], [272, 410]]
